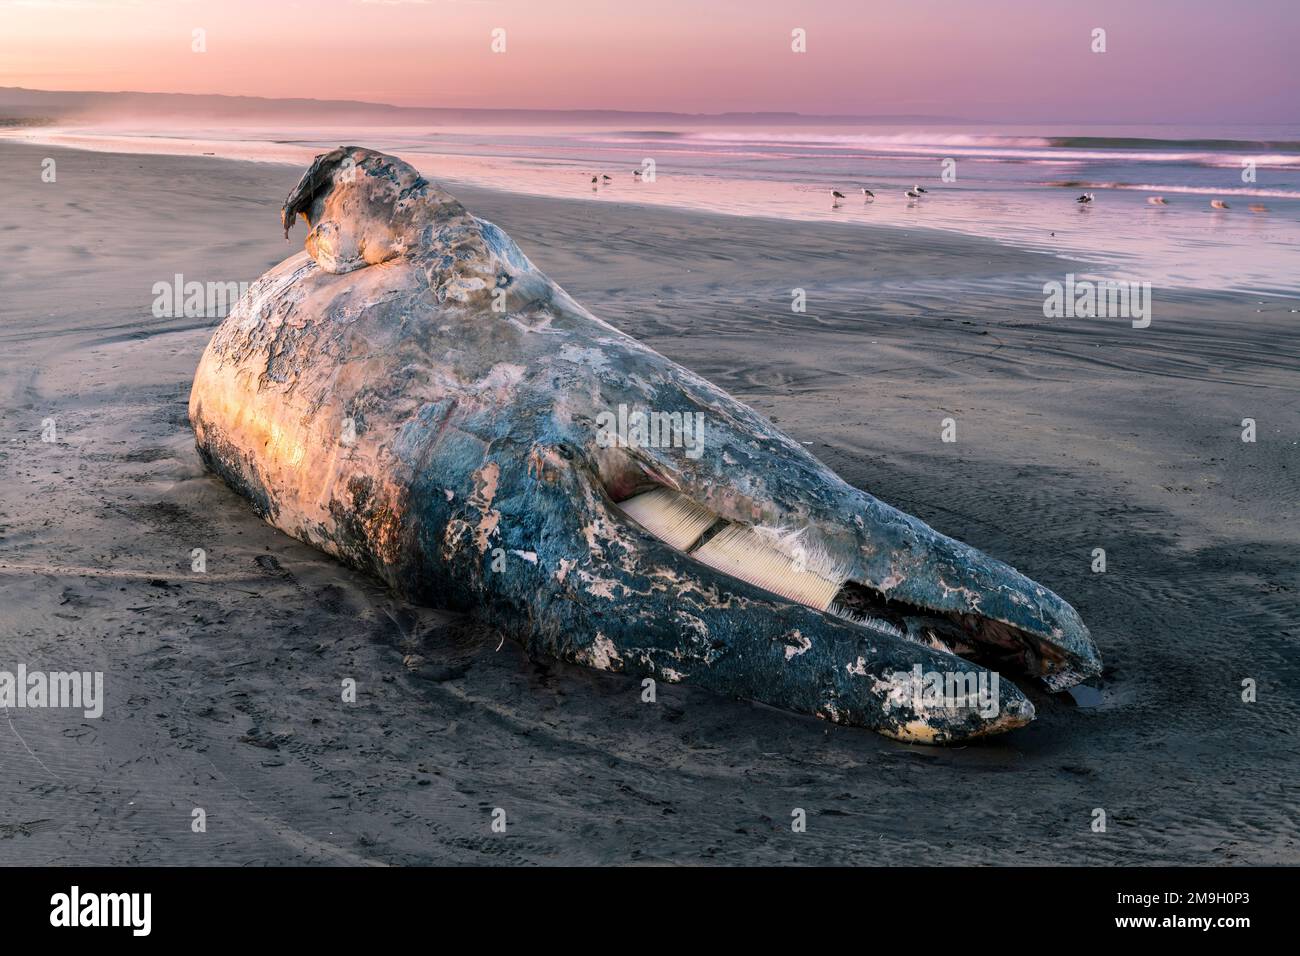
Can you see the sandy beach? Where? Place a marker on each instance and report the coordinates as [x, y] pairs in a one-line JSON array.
[[222, 688]]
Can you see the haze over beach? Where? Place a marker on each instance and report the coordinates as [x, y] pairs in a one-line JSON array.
[[693, 174]]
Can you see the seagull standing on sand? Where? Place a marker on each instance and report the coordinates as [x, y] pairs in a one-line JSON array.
[[1085, 198], [594, 180], [836, 196], [914, 193], [868, 195], [607, 179]]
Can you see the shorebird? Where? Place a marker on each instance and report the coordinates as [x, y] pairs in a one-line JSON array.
[[1085, 198], [594, 180], [914, 193], [868, 194], [1157, 200], [607, 179], [837, 194], [636, 172], [1219, 204]]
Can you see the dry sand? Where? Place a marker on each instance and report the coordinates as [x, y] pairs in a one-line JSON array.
[[223, 689]]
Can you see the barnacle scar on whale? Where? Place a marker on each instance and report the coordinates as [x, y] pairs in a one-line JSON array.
[[412, 396]]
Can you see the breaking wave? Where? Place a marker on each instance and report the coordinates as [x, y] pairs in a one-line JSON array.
[[1140, 142], [1253, 192], [1028, 150]]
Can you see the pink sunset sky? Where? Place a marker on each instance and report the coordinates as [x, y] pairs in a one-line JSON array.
[[1010, 60]]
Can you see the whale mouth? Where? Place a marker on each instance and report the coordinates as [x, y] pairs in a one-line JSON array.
[[791, 567], [996, 645]]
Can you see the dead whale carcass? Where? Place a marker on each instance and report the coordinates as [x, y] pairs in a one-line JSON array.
[[414, 397]]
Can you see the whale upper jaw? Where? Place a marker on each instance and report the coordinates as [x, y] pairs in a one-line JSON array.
[[951, 596]]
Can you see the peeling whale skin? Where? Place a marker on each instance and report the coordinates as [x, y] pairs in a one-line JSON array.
[[412, 396]]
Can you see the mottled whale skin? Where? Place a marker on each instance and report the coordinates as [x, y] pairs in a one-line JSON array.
[[412, 396]]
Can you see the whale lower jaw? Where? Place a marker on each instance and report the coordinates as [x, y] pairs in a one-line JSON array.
[[811, 578]]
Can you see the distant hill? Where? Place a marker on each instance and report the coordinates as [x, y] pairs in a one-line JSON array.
[[17, 103]]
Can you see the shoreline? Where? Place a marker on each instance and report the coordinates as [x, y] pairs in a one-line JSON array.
[[564, 179]]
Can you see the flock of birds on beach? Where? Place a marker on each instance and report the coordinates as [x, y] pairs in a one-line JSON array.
[[1085, 199], [917, 191]]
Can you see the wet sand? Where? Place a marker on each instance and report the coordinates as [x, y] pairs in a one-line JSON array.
[[222, 689]]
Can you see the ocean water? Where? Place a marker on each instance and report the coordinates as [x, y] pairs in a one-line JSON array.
[[1016, 185]]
